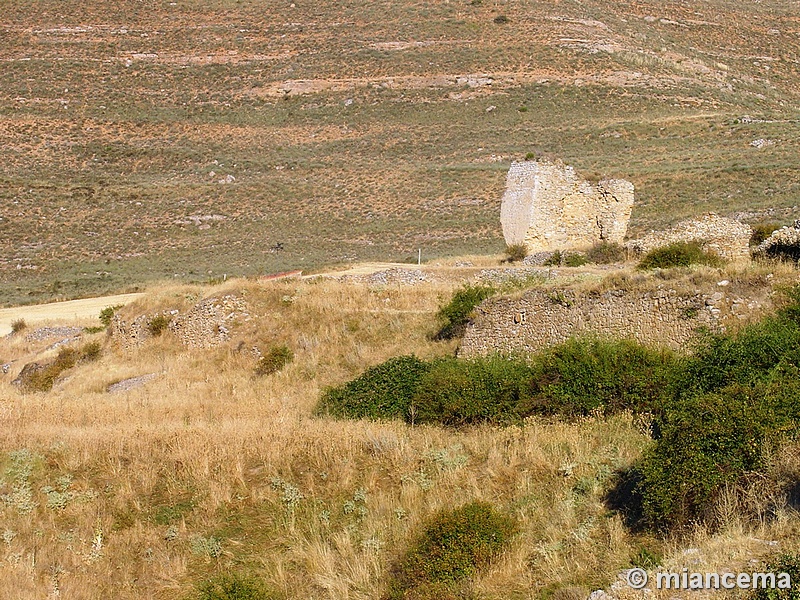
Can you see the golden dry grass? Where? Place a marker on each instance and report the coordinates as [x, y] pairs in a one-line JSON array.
[[206, 454]]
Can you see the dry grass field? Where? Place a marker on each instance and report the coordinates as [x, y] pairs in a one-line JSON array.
[[183, 140], [207, 469]]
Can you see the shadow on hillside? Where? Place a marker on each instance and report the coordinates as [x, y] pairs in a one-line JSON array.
[[625, 498]]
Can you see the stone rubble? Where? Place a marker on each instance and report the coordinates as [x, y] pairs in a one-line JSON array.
[[783, 243], [725, 237]]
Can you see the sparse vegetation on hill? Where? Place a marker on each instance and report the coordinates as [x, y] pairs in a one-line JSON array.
[[255, 154]]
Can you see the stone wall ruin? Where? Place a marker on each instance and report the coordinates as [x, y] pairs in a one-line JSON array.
[[725, 237], [547, 207], [540, 319], [205, 325]]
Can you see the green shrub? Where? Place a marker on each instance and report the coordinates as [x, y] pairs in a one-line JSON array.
[[18, 325], [501, 20], [707, 443], [456, 314], [455, 545], [575, 259], [554, 260], [604, 253], [678, 254], [762, 231], [91, 352], [458, 392], [107, 314], [381, 392], [785, 563], [158, 324], [233, 587], [734, 403], [516, 252], [583, 376], [274, 360]]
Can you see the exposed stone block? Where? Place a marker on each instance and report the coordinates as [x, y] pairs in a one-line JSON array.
[[547, 207]]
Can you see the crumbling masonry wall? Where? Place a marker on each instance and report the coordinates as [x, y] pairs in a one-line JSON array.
[[725, 237], [547, 207], [205, 325], [540, 319]]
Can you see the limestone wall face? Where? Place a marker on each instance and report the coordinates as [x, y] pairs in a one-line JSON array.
[[728, 238], [547, 207], [540, 319]]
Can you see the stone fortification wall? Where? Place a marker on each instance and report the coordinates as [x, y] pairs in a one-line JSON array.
[[540, 319], [205, 325], [725, 237], [782, 244], [547, 207]]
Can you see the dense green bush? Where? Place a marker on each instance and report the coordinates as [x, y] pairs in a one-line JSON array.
[[381, 392], [709, 442], [734, 401], [455, 545], [679, 254], [233, 587], [575, 259], [107, 314], [584, 376], [158, 324], [554, 260], [274, 360], [785, 563], [462, 392], [604, 253], [456, 314]]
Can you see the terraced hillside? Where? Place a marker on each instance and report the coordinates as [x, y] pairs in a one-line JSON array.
[[187, 140]]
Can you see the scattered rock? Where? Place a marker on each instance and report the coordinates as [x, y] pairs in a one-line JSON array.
[[44, 333], [130, 383], [762, 143]]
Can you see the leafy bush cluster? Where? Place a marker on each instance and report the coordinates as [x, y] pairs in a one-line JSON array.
[[232, 586], [785, 563], [678, 254], [604, 253], [516, 253], [455, 315], [762, 231], [158, 324], [577, 378], [454, 546], [732, 403]]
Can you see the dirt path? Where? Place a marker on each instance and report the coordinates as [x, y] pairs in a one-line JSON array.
[[61, 312]]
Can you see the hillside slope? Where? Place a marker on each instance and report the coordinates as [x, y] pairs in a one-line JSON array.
[[186, 140]]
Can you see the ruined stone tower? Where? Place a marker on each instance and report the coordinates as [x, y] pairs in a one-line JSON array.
[[547, 207]]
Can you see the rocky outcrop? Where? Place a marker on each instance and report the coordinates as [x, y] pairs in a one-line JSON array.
[[783, 244], [725, 237], [540, 319], [547, 207]]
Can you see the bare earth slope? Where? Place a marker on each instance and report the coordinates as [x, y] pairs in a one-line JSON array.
[[186, 140]]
